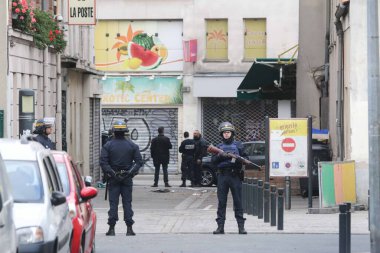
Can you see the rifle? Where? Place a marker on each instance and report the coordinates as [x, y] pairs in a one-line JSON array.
[[214, 150], [105, 194]]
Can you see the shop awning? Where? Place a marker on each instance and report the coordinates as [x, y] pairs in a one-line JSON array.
[[268, 81]]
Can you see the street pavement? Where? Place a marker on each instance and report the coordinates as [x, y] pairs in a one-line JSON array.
[[193, 211]]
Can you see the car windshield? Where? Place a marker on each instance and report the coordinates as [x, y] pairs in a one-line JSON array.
[[64, 178], [25, 180]]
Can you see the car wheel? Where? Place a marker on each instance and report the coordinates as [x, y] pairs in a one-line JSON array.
[[207, 177]]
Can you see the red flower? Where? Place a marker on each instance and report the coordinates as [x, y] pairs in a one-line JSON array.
[[23, 10], [14, 4], [57, 31], [51, 32], [17, 10]]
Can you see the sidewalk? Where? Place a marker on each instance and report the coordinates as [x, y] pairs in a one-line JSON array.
[[193, 210]]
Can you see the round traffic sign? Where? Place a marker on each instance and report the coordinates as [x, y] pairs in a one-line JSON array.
[[288, 144]]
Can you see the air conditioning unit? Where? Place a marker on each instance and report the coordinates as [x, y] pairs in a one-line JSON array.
[[185, 89]]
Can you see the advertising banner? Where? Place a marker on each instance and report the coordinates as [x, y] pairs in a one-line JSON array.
[[142, 90], [288, 145]]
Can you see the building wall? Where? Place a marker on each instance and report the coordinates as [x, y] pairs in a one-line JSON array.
[[310, 58], [4, 59]]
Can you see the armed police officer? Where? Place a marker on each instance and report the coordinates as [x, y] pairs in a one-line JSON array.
[[229, 177], [187, 148], [43, 129], [121, 160]]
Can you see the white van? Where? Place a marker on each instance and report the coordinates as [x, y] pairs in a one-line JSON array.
[[7, 225], [41, 213]]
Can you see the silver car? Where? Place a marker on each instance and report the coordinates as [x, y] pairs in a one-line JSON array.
[[7, 225], [41, 213]]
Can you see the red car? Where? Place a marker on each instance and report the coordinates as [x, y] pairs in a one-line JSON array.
[[78, 194]]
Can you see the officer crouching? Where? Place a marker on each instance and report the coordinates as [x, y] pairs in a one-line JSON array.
[[120, 160], [229, 177]]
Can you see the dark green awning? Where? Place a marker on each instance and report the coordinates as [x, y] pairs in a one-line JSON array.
[[268, 81]]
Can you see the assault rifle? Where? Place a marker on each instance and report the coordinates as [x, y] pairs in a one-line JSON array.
[[216, 151]]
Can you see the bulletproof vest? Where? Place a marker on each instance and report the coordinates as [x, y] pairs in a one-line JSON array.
[[230, 148], [189, 146]]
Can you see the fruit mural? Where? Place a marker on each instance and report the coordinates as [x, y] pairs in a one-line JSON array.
[[133, 50]]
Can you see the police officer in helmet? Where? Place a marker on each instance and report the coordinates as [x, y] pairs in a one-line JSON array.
[[43, 129], [229, 170], [121, 160]]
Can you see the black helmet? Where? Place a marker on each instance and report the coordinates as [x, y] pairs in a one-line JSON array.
[[119, 126], [41, 125], [226, 126]]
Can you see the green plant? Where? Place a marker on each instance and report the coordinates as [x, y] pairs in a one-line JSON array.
[[40, 24], [22, 15], [46, 31]]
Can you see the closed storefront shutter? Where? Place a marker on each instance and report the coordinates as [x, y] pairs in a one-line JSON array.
[[95, 142], [248, 117], [143, 125]]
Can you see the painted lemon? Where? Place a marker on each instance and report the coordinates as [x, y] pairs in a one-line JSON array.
[[134, 63], [161, 50]]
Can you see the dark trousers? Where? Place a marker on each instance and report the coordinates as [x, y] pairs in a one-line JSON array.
[[124, 189], [197, 168], [186, 168], [157, 172], [226, 182]]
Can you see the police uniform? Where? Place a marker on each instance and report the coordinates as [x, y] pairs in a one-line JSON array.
[[42, 137], [120, 159], [45, 141], [228, 170], [187, 148]]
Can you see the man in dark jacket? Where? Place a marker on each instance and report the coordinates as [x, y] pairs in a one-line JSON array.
[[199, 152], [187, 149], [159, 151], [120, 160], [43, 130]]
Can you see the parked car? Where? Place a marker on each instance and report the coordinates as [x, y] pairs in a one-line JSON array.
[[41, 213], [8, 240], [78, 195], [255, 151]]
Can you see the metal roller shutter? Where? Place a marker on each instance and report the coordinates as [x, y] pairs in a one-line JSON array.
[[248, 117], [95, 143], [143, 125]]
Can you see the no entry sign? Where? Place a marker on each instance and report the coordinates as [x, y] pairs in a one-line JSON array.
[[288, 145]]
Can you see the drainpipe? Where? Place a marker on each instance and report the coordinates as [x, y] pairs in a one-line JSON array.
[[46, 80], [58, 128], [325, 88], [340, 12]]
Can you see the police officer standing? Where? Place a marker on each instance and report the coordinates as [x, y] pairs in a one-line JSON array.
[[187, 149], [229, 170], [200, 151], [43, 129], [121, 160]]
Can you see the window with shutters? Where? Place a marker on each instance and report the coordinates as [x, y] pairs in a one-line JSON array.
[[255, 39], [216, 40]]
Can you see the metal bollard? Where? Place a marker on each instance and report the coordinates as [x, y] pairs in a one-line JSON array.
[[288, 192], [260, 199], [369, 217], [273, 205], [255, 197], [266, 201], [344, 228], [348, 250], [249, 196], [243, 195], [280, 214]]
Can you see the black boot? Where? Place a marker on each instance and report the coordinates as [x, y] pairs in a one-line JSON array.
[[183, 183], [167, 185], [242, 230], [219, 230], [111, 231], [130, 231]]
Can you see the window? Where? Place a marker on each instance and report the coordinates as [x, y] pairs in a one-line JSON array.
[[255, 39], [217, 40]]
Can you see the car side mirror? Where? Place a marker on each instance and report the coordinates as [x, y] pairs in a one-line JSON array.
[[57, 198], [88, 181], [88, 193]]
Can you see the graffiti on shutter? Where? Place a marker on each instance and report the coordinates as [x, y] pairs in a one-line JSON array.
[[143, 125]]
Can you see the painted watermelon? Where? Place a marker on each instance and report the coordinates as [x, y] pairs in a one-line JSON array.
[[149, 59]]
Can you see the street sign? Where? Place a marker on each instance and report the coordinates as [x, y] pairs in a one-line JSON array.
[[288, 147], [82, 12]]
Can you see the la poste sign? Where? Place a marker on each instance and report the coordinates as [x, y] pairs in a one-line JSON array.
[[82, 12]]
